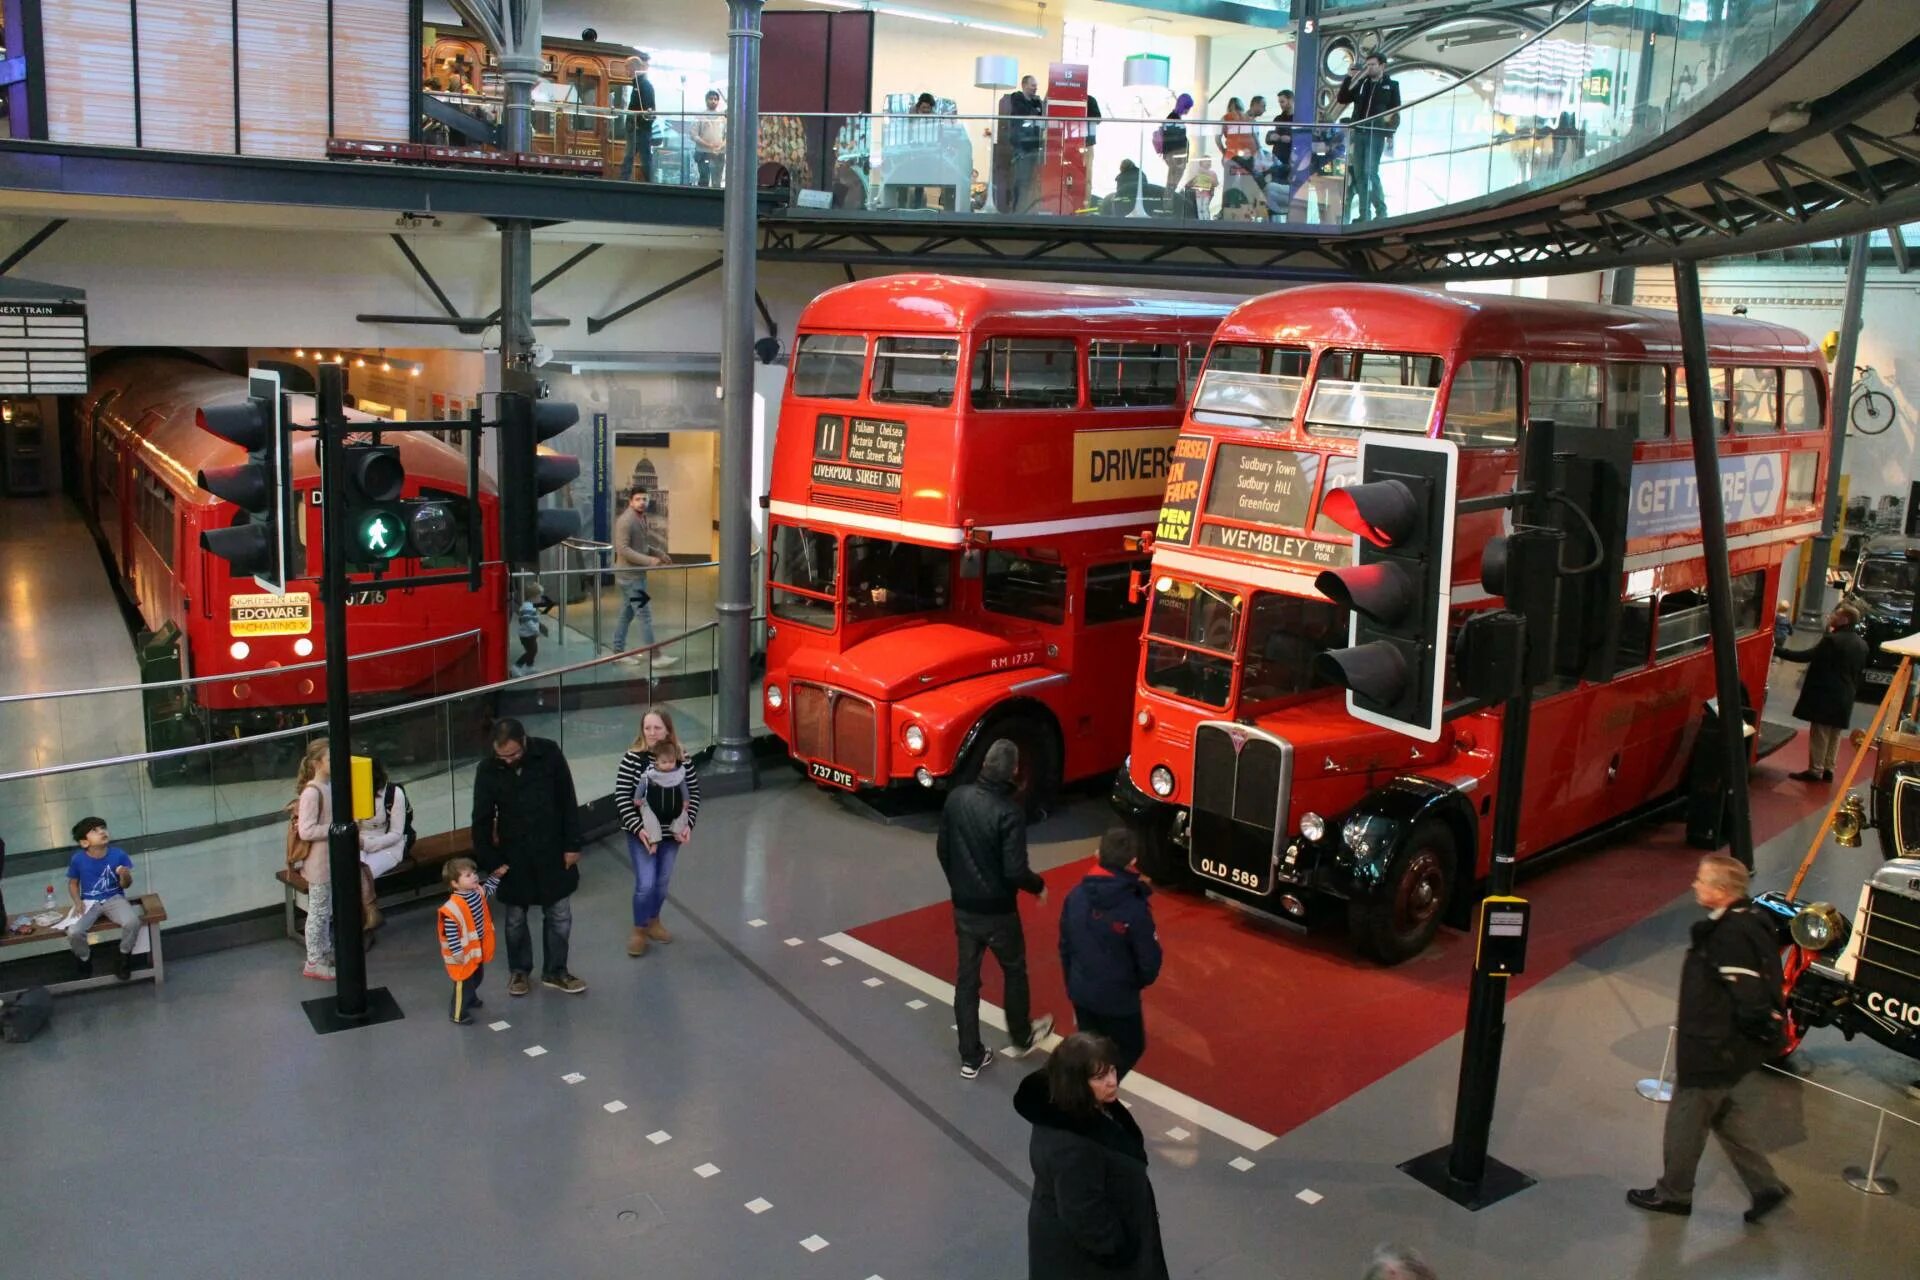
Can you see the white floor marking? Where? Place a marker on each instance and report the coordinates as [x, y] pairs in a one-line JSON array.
[[796, 942], [916, 1004], [830, 961], [1309, 1196], [1241, 1163], [534, 1051], [499, 1026], [758, 1205], [874, 982], [1145, 1088], [813, 1244], [756, 924], [1178, 1134], [706, 1170], [659, 1136], [615, 1107], [573, 1077]]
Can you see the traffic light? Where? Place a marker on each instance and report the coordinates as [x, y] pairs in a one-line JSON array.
[[256, 543], [1399, 586], [527, 475], [372, 479]]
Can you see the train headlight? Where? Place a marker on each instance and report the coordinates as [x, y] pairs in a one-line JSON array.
[[1161, 780], [239, 650], [1354, 832], [303, 647], [915, 737], [1819, 927], [1313, 826], [775, 698]]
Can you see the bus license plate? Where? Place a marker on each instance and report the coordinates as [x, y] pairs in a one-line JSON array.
[[1875, 675], [1219, 869], [831, 776]]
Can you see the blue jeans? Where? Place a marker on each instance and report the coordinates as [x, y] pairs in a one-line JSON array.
[[1365, 194], [651, 872], [556, 923], [631, 609]]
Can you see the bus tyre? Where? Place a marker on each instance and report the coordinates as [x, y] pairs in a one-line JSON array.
[[1037, 776], [1399, 921], [1161, 860]]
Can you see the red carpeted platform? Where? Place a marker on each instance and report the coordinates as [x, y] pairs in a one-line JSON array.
[[1273, 1027]]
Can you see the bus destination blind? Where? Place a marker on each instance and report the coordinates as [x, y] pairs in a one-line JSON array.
[[43, 348], [1269, 490], [875, 451]]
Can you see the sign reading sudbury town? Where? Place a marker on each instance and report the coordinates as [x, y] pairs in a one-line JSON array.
[[1262, 486], [1183, 491], [43, 348], [270, 615]]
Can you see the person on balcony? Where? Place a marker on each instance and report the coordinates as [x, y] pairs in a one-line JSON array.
[[710, 142], [640, 109], [1029, 138], [1375, 98], [1170, 140]]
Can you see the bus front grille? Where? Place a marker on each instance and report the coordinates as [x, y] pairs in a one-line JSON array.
[[1241, 783], [835, 727]]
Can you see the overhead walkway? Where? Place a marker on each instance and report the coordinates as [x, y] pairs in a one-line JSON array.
[[1627, 132]]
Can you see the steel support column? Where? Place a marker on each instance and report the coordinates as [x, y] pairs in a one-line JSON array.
[[734, 609], [1702, 417], [1813, 598]]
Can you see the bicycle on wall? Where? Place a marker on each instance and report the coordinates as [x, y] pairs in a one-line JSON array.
[[1871, 409]]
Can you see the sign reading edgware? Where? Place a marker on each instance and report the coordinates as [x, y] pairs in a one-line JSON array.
[[270, 615], [1666, 496]]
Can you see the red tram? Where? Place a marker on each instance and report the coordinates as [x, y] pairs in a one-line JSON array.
[[139, 450]]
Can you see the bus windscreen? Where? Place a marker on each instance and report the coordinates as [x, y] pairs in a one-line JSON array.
[[805, 574], [1200, 622], [1284, 635], [886, 579]]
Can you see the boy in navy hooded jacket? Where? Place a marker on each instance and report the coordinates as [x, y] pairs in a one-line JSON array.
[[1109, 950]]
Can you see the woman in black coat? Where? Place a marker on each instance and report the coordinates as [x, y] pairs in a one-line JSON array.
[[1834, 668], [1093, 1213]]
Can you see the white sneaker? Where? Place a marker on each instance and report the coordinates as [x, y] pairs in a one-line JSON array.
[[319, 972], [630, 661], [665, 660], [1040, 1029]]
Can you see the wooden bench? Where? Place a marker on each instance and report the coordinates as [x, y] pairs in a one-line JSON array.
[[415, 876], [153, 913]]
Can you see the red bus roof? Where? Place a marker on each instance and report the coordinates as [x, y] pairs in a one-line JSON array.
[[954, 304], [1401, 318]]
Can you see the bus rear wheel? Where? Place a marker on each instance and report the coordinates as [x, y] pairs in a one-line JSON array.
[[1398, 922], [1037, 776]]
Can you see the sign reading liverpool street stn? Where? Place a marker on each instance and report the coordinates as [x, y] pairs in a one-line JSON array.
[[270, 615]]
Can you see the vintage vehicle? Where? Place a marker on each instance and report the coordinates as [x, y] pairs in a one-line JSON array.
[[1246, 769], [1860, 975], [1881, 586], [957, 465]]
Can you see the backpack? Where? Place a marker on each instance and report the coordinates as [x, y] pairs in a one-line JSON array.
[[392, 788], [25, 1015]]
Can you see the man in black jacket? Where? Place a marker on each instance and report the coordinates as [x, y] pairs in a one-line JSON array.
[[1729, 1023], [525, 815], [1834, 668], [640, 109], [1026, 108], [1375, 97], [982, 847], [1109, 949]]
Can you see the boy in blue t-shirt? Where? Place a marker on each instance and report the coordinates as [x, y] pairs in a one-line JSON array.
[[98, 876]]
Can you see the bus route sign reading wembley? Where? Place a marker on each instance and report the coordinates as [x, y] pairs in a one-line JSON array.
[[43, 348]]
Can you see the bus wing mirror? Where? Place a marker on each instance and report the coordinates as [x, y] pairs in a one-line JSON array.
[[1136, 586], [972, 562]]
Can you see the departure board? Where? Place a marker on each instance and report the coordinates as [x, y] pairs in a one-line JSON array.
[[43, 348]]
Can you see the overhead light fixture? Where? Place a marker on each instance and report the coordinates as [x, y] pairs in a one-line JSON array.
[[935, 16], [299, 353], [1147, 71], [1791, 118]]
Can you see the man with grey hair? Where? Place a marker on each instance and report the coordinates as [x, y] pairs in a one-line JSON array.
[[1729, 1023], [982, 847], [1398, 1262]]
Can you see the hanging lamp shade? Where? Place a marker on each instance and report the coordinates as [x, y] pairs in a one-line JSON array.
[[1147, 70], [995, 71]]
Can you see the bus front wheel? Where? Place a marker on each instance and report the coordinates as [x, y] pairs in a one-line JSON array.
[[1399, 920], [1037, 775], [1162, 860]]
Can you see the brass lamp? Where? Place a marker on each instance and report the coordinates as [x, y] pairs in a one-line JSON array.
[[1849, 821]]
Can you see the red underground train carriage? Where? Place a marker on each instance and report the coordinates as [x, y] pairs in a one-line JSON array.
[[139, 449]]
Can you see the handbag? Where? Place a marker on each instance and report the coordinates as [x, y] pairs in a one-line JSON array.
[[297, 848]]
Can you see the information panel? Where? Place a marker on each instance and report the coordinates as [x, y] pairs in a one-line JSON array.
[[43, 348], [1263, 486]]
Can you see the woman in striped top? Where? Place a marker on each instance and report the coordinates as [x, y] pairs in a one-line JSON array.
[[636, 783]]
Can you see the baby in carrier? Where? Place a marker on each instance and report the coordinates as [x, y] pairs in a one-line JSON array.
[[661, 797]]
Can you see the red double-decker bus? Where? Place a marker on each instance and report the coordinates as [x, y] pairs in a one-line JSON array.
[[957, 464], [1247, 770]]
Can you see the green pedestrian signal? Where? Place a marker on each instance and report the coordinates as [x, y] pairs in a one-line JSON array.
[[378, 536]]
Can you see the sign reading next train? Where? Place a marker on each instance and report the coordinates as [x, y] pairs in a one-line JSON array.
[[43, 348]]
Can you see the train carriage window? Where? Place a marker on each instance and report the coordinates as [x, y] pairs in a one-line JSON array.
[[1567, 393], [1680, 624], [1132, 374], [1024, 588], [1756, 400], [828, 366], [1108, 594], [915, 371], [1026, 373], [1637, 400], [1483, 404], [1802, 390], [1373, 391]]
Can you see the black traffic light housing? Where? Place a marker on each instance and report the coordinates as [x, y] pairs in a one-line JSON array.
[[260, 542], [1593, 472], [373, 476], [1399, 587], [527, 475]]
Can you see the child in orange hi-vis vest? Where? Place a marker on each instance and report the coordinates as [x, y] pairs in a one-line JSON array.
[[466, 933]]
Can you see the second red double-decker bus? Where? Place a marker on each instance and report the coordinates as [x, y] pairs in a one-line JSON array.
[[957, 464], [1248, 770]]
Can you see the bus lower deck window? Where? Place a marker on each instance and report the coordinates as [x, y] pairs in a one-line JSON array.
[[1023, 588], [886, 578]]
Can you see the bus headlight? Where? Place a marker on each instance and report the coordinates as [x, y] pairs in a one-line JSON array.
[[303, 647], [774, 697], [915, 737], [239, 649], [1161, 780], [1313, 826], [1819, 927], [1354, 832], [1144, 719]]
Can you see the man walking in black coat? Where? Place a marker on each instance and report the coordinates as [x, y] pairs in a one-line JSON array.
[[641, 105], [1834, 668], [982, 847], [1729, 1023], [525, 815], [1109, 950], [1375, 97]]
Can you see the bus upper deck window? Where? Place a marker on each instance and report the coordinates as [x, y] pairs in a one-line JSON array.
[[1637, 400], [1357, 391], [1756, 400], [828, 366], [1483, 405], [1802, 400], [1026, 373], [1133, 374], [915, 371], [1567, 393], [1682, 423]]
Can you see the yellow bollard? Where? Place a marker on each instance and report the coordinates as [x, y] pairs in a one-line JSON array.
[[362, 787]]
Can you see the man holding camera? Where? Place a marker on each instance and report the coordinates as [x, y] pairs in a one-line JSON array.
[[1375, 97]]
